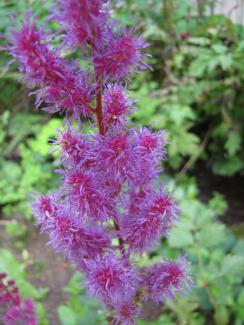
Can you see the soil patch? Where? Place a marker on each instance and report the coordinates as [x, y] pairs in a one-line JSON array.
[[231, 187], [47, 269]]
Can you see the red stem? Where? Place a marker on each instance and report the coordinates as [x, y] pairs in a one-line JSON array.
[[99, 108]]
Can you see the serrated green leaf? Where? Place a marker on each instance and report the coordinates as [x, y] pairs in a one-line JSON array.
[[233, 143], [233, 265], [180, 237], [67, 316], [229, 166], [211, 235]]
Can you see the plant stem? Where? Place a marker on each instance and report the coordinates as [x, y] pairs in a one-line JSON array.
[[99, 108], [194, 157]]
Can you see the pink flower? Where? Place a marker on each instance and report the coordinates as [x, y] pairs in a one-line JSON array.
[[116, 155], [23, 313], [76, 239], [152, 145], [110, 279], [167, 208], [73, 148], [16, 311], [83, 20], [161, 281], [44, 209], [61, 87], [151, 215], [116, 105], [126, 311], [87, 192], [142, 232], [122, 57]]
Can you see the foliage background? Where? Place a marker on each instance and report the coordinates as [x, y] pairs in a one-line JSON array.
[[195, 92]]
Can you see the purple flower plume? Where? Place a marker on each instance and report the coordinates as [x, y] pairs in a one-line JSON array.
[[148, 219], [126, 311], [163, 280], [117, 105], [111, 279], [15, 309], [83, 20], [59, 84], [121, 57], [110, 205]]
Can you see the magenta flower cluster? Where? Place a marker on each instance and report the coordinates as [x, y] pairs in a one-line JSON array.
[[12, 307], [109, 207]]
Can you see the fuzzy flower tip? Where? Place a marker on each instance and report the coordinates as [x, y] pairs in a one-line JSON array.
[[116, 155], [75, 239], [125, 313], [163, 280], [83, 20], [152, 145], [110, 279], [149, 218], [122, 57], [73, 148], [61, 86], [43, 209], [84, 190], [116, 105], [16, 310]]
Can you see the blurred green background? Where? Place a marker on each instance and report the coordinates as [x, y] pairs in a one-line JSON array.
[[196, 92]]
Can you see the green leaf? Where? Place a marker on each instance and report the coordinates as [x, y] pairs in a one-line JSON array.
[[229, 166], [218, 204], [199, 41], [219, 48], [225, 61], [212, 234], [239, 248], [239, 306], [221, 315], [67, 316], [180, 237], [164, 319], [16, 229], [233, 143], [233, 265]]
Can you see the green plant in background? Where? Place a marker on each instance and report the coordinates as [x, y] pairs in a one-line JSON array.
[[197, 88], [25, 163], [217, 261]]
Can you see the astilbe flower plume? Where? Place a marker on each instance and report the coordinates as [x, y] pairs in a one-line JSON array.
[[117, 105], [61, 86], [110, 205], [83, 20], [121, 57], [162, 280], [14, 310]]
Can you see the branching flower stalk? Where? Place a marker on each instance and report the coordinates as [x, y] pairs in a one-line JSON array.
[[109, 207]]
